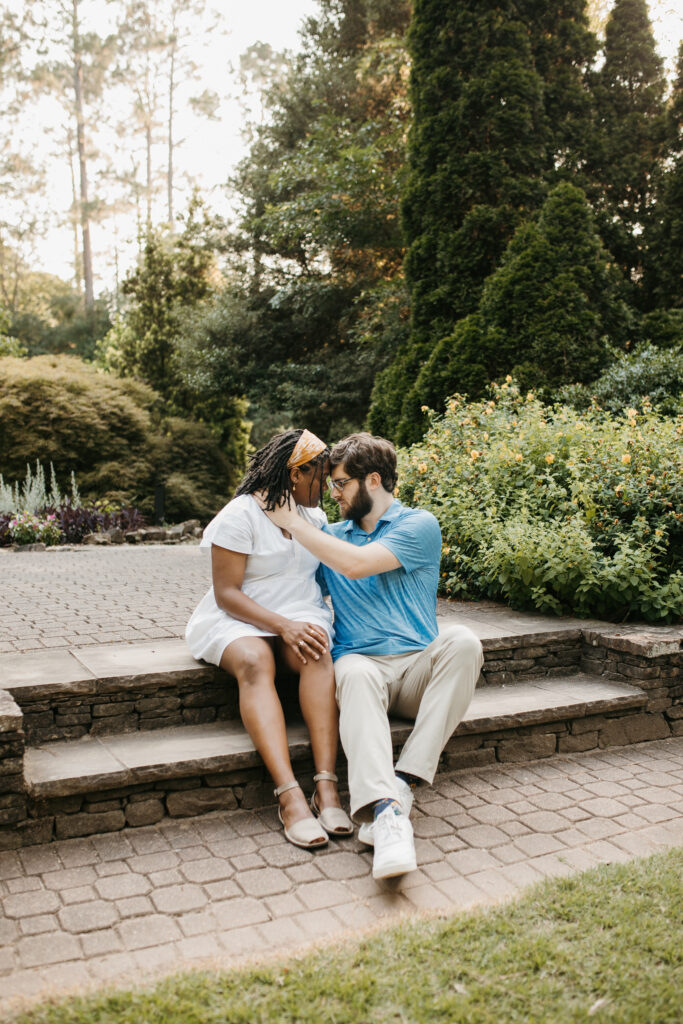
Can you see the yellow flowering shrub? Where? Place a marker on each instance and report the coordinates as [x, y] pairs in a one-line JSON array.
[[554, 509]]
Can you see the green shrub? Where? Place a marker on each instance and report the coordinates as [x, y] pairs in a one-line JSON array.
[[552, 509], [109, 431], [650, 375]]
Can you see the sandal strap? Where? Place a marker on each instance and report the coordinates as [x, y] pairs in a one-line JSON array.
[[325, 777], [285, 787]]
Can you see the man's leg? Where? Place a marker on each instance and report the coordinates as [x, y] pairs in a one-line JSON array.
[[436, 690], [363, 695], [363, 698]]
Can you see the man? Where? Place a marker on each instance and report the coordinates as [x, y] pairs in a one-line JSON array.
[[381, 567]]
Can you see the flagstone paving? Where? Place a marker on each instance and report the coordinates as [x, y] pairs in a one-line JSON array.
[[226, 887], [78, 597]]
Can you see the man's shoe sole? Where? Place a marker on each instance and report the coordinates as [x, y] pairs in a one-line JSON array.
[[392, 870]]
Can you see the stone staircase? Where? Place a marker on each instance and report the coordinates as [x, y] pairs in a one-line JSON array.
[[96, 739]]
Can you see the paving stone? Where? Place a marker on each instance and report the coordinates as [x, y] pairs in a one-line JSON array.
[[238, 912], [208, 869], [342, 865], [494, 883], [240, 943], [38, 924], [603, 807], [537, 845], [70, 878], [153, 930], [482, 836], [98, 943], [264, 882], [461, 892], [117, 887], [178, 899], [285, 905], [222, 890], [146, 863], [88, 917], [30, 903], [51, 948], [466, 862], [134, 906], [316, 924], [15, 885]]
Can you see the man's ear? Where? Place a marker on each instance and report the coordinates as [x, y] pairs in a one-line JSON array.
[[373, 481]]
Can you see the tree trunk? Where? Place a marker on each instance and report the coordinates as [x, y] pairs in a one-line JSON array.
[[78, 274], [80, 144], [169, 175]]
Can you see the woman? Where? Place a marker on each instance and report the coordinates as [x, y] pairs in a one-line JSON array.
[[265, 603]]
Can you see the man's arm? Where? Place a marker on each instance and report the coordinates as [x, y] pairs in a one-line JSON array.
[[353, 562]]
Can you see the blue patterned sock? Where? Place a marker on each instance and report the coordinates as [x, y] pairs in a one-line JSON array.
[[381, 805]]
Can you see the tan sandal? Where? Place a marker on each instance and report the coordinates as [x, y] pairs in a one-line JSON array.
[[334, 820], [305, 833]]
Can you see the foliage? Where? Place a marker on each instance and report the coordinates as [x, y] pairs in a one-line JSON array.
[[555, 510], [33, 495], [27, 528], [498, 103], [628, 141], [174, 272], [320, 227], [601, 944], [663, 236], [647, 377], [546, 313], [29, 512], [110, 432], [48, 317]]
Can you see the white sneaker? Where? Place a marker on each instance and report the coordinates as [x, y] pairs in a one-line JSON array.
[[366, 832], [394, 846]]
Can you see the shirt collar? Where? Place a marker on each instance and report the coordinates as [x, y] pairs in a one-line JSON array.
[[391, 513]]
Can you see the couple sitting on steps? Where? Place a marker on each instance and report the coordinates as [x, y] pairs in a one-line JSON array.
[[273, 556]]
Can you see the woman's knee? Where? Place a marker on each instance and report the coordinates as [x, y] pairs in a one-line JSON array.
[[252, 664]]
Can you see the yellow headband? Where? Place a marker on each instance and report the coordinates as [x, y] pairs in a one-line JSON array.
[[305, 449]]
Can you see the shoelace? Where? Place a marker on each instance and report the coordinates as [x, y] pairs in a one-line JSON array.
[[391, 825]]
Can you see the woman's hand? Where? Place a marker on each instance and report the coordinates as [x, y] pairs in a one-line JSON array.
[[305, 639]]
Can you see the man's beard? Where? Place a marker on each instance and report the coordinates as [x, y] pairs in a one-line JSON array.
[[361, 504]]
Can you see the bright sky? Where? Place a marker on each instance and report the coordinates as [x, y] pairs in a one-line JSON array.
[[212, 149]]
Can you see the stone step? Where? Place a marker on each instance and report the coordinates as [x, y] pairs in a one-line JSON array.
[[107, 762]]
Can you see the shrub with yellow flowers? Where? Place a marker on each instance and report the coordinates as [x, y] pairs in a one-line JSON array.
[[554, 509]]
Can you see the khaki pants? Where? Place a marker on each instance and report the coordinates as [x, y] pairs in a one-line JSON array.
[[433, 686]]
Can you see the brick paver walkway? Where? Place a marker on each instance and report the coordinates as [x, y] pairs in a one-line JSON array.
[[67, 597], [227, 886]]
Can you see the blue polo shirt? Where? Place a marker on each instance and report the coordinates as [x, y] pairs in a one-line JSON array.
[[393, 612]]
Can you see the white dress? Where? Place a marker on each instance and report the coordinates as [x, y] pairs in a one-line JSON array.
[[279, 575]]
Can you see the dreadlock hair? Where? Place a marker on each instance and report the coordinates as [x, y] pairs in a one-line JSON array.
[[268, 471]]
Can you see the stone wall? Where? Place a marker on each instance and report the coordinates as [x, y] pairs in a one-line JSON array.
[[509, 659], [210, 697]]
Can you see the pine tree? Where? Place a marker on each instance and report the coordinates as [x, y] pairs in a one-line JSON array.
[[477, 149], [629, 139], [547, 315], [663, 284]]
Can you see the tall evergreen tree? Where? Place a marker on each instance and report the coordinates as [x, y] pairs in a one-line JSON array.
[[663, 283], [477, 151], [629, 138], [547, 313]]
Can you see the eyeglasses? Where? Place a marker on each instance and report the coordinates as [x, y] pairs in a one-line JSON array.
[[339, 485]]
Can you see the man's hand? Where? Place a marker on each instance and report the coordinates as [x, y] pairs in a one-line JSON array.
[[282, 515]]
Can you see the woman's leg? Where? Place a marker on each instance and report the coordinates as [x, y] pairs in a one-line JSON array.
[[251, 661], [321, 715]]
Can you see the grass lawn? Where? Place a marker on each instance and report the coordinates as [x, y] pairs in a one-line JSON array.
[[606, 945]]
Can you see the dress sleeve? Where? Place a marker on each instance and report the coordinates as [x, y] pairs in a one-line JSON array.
[[232, 528]]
